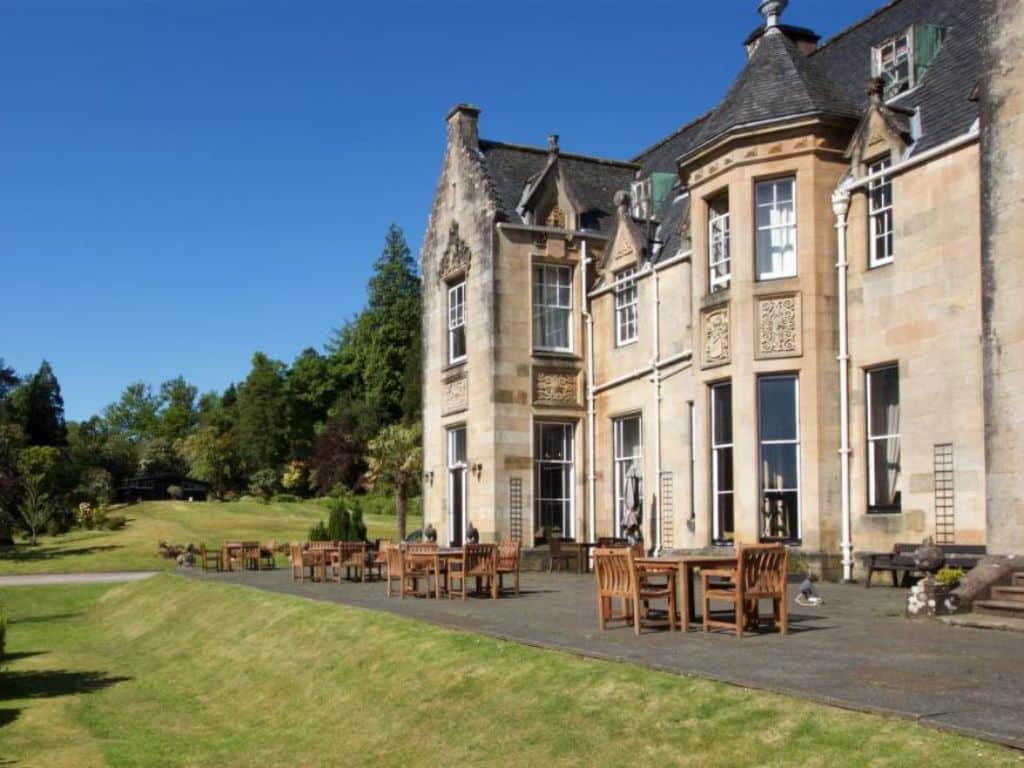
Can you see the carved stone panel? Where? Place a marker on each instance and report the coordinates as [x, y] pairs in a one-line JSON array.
[[715, 337], [552, 387], [456, 395], [778, 326], [456, 257]]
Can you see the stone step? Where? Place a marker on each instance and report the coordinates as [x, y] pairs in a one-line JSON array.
[[1000, 608], [1018, 579], [1008, 594], [982, 621]]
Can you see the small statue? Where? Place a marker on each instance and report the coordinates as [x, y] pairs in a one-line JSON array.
[[430, 533], [472, 534]]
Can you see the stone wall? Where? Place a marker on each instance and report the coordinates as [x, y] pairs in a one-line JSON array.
[[1002, 162]]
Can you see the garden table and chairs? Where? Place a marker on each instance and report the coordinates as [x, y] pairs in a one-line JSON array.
[[622, 576]]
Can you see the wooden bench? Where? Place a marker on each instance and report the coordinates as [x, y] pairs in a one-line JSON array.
[[900, 563]]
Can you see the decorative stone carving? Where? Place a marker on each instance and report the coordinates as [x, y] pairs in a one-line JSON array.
[[717, 349], [557, 387], [456, 395], [456, 256], [778, 326], [556, 218]]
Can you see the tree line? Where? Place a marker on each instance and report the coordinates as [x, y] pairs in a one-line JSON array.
[[341, 419]]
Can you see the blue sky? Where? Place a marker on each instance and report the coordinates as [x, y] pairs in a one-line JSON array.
[[183, 182]]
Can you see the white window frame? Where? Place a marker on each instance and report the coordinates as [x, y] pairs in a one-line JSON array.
[[889, 73], [456, 320], [568, 466], [544, 270], [873, 507], [621, 463], [799, 458], [716, 450], [719, 247], [764, 276], [880, 217], [627, 315], [457, 465]]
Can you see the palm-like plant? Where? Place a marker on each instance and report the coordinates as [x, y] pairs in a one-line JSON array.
[[395, 460], [35, 507]]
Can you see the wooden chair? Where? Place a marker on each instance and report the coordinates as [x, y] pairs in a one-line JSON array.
[[558, 556], [229, 554], [508, 562], [301, 562], [420, 561], [209, 558], [376, 560], [251, 555], [611, 541], [760, 573], [393, 563], [326, 557], [268, 554], [479, 561], [352, 557], [619, 577]]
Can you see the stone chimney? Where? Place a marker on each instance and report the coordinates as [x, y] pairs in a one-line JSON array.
[[462, 124]]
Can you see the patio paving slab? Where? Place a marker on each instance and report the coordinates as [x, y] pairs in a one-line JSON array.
[[855, 651]]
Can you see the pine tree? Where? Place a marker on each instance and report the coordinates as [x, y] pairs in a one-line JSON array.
[[261, 429], [38, 408]]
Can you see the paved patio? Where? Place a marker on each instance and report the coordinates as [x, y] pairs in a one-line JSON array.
[[855, 651]]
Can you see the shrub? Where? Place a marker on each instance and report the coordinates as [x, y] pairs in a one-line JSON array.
[[285, 498], [319, 532], [357, 528], [949, 577], [54, 528], [338, 528], [175, 492], [114, 522], [85, 516]]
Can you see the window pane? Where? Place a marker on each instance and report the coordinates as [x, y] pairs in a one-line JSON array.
[[457, 445], [777, 408], [629, 438], [458, 342], [884, 463], [723, 480], [779, 513], [779, 466], [721, 397], [726, 519], [884, 396]]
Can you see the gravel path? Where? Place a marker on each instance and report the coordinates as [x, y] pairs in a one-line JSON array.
[[44, 579]]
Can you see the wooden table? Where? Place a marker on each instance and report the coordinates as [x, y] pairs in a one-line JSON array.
[[686, 566]]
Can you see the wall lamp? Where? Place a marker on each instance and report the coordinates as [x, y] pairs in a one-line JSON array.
[[477, 470], [428, 477]]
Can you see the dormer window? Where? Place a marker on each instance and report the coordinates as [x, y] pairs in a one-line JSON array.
[[903, 59], [894, 62], [640, 199]]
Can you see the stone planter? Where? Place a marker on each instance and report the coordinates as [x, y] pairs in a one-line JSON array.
[[928, 598]]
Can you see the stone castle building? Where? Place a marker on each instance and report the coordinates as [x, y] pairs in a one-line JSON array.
[[776, 324]]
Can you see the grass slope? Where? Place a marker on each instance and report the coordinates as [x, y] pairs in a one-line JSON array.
[[176, 672], [134, 547]]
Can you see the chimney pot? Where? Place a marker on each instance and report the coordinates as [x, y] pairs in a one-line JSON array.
[[771, 10]]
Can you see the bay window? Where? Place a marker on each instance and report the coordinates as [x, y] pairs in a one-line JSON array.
[[775, 201], [723, 519], [778, 406]]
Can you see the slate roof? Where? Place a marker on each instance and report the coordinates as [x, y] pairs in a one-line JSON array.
[[778, 82], [661, 157], [594, 181], [943, 94]]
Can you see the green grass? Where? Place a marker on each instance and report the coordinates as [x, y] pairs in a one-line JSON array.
[[176, 522], [177, 672]]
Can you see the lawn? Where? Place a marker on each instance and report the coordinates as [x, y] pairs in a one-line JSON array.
[[172, 671], [133, 548]]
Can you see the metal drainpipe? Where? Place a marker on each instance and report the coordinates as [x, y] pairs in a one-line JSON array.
[[840, 207], [656, 380], [591, 414]]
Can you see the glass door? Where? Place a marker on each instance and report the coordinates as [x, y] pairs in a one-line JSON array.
[[554, 480], [456, 485], [627, 435]]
